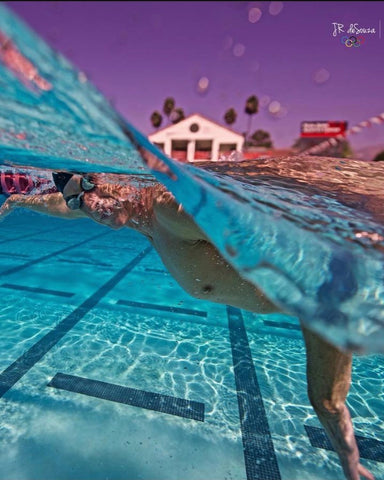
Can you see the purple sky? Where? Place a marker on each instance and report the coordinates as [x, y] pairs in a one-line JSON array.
[[138, 53]]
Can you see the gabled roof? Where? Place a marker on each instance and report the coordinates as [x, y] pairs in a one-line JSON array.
[[198, 115]]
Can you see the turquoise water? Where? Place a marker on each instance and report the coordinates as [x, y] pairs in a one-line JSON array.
[[110, 370], [54, 433], [321, 256]]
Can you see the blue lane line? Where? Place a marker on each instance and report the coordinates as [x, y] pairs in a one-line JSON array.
[[259, 454], [45, 291], [25, 362], [86, 262], [129, 396], [14, 255], [369, 448], [50, 255], [164, 308], [21, 237]]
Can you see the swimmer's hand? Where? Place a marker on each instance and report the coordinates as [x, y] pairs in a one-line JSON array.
[[52, 204], [349, 453], [329, 376]]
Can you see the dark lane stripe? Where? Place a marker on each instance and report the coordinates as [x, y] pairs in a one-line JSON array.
[[129, 396], [21, 237], [25, 362], [164, 308], [45, 291], [259, 454], [50, 255], [369, 448]]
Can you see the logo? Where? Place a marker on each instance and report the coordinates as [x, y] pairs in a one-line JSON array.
[[352, 41], [351, 37]]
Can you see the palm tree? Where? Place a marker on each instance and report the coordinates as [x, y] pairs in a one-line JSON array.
[[251, 108], [156, 119], [177, 115], [379, 157], [261, 138], [230, 116], [168, 106]]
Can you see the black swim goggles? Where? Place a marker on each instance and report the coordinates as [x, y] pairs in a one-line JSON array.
[[74, 202]]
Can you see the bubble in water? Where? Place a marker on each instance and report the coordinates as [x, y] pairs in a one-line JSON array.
[[254, 14], [275, 8], [274, 107], [264, 101], [321, 76], [203, 84], [282, 112], [238, 50]]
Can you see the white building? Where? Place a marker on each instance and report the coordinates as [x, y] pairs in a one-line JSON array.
[[197, 138]]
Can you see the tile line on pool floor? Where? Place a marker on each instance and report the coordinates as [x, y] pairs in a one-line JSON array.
[[164, 308], [11, 375], [259, 453], [44, 291], [158, 402], [369, 448], [21, 237], [52, 254]]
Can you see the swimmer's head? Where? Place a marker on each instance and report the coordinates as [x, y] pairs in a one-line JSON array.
[[111, 204], [72, 188], [61, 179]]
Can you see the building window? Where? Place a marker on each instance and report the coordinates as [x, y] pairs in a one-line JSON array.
[[227, 148], [179, 150], [160, 145], [203, 150], [194, 127]]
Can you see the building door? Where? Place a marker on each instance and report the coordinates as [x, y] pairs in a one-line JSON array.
[[179, 150], [203, 150]]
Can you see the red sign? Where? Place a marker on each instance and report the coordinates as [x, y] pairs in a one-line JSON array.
[[323, 129]]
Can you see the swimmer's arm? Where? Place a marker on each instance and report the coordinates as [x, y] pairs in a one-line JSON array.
[[50, 204], [329, 378], [170, 215]]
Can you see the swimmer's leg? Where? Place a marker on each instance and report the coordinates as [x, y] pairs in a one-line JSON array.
[[329, 378]]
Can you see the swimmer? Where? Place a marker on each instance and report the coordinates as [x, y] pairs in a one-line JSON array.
[[188, 254], [24, 184]]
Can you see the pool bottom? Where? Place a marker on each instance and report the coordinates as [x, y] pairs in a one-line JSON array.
[[184, 349]]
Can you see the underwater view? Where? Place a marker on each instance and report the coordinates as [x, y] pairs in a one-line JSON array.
[[212, 338]]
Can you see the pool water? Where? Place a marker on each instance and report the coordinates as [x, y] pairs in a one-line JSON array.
[[111, 371]]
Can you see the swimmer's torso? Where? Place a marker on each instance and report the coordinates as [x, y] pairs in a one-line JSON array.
[[198, 267]]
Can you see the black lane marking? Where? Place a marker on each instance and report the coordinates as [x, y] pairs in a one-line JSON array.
[[50, 255], [130, 396], [259, 453], [45, 291], [164, 308], [369, 448], [25, 362]]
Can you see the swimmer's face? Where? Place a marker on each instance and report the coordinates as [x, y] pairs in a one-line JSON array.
[[102, 203]]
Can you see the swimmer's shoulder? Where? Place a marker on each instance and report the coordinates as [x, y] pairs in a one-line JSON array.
[[170, 216]]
